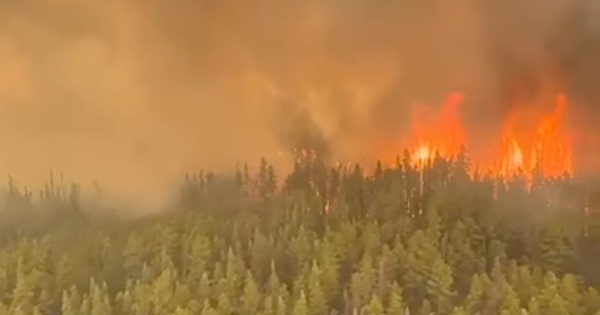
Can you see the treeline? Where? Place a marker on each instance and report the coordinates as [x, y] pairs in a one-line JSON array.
[[323, 240]]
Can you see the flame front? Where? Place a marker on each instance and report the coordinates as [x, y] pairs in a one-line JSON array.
[[541, 146], [442, 134], [527, 144]]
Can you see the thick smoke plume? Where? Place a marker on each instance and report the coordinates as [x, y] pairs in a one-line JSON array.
[[131, 93]]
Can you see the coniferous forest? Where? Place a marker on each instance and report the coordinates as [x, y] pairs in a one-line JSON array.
[[321, 240]]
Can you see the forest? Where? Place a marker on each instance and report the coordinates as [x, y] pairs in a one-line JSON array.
[[434, 239]]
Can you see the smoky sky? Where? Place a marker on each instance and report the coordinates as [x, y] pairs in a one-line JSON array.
[[132, 92]]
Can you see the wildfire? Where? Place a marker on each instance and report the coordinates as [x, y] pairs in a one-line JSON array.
[[527, 144], [539, 147], [443, 134]]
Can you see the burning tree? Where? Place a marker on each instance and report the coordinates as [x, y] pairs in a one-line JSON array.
[[529, 142]]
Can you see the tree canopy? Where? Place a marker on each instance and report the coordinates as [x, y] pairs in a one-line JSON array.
[[323, 240]]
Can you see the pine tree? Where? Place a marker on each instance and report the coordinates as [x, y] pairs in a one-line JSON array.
[[300, 284], [569, 290], [267, 180], [134, 254], [301, 305], [557, 306], [374, 307], [268, 306], [260, 254], [329, 267], [317, 304], [548, 292], [125, 303], [99, 300], [461, 256], [162, 290], [204, 287], [524, 285], [182, 294], [251, 297], [224, 305], [273, 284], [281, 307], [510, 304], [235, 270], [71, 302], [555, 249], [473, 301], [22, 294], [439, 286], [363, 281], [196, 252], [300, 248], [396, 301]]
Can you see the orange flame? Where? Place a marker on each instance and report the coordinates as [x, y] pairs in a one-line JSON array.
[[443, 134], [542, 146], [528, 144]]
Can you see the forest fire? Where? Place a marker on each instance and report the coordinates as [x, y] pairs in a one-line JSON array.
[[442, 134], [543, 146], [529, 142]]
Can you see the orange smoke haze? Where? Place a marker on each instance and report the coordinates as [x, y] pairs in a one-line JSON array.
[[132, 93]]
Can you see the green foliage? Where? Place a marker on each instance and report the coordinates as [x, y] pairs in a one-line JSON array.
[[402, 241]]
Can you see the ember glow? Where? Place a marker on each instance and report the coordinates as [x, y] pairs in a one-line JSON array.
[[529, 142]]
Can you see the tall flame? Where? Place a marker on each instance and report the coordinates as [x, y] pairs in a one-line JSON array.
[[542, 146], [528, 143], [443, 134]]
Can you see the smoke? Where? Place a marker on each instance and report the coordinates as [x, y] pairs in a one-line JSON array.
[[132, 93]]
